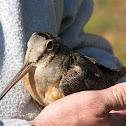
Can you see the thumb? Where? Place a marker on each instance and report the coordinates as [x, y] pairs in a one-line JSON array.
[[115, 97]]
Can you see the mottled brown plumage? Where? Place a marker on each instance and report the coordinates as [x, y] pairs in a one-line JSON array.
[[53, 70]]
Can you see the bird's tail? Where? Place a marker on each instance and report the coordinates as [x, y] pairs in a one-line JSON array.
[[118, 73]]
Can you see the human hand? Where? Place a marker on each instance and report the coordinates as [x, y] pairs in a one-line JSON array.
[[87, 108]]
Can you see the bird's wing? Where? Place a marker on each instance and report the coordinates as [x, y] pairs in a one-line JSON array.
[[83, 74], [73, 81]]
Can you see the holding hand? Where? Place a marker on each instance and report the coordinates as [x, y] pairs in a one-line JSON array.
[[87, 108]]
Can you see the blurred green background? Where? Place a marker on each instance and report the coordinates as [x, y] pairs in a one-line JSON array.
[[109, 20]]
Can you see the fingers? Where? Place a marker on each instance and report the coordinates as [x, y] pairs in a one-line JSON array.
[[39, 123], [87, 107], [115, 97]]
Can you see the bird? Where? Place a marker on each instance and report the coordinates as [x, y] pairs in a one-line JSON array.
[[53, 70]]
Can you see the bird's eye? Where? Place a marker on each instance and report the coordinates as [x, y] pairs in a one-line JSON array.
[[49, 45]]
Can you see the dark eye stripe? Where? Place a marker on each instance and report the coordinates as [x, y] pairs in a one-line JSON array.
[[40, 57], [49, 35], [46, 35]]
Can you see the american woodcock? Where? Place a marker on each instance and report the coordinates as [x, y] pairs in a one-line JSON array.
[[53, 70]]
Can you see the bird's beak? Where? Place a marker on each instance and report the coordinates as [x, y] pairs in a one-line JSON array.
[[23, 71]]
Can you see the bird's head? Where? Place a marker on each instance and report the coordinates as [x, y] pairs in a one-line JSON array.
[[41, 44]]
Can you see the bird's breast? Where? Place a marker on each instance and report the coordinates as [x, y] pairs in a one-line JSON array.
[[43, 83]]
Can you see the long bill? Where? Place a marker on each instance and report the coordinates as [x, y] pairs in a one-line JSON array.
[[23, 71]]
